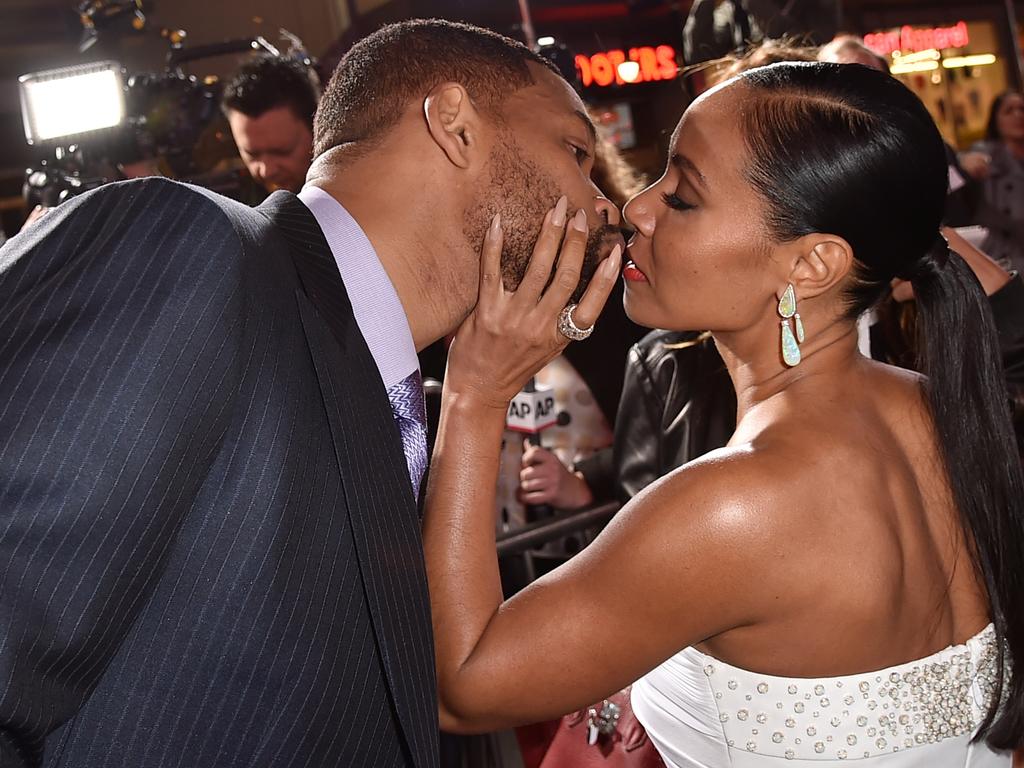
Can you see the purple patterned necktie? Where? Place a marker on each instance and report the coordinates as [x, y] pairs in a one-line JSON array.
[[411, 416]]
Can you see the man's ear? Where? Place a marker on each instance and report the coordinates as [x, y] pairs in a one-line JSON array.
[[453, 122], [822, 261]]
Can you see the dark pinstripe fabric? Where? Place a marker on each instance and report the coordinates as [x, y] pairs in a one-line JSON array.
[[209, 550]]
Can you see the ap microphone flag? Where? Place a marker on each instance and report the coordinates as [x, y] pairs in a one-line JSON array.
[[532, 410]]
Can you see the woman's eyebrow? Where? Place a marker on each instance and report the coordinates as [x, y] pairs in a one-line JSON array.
[[685, 165]]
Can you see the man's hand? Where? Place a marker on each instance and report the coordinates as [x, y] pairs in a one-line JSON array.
[[545, 480]]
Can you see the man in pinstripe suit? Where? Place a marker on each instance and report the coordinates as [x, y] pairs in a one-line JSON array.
[[210, 435]]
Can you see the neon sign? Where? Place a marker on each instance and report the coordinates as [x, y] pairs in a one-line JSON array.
[[645, 64], [908, 38]]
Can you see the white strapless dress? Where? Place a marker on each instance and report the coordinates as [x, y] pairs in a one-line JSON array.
[[703, 713]]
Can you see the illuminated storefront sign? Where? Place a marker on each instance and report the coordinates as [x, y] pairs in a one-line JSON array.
[[909, 38], [645, 64]]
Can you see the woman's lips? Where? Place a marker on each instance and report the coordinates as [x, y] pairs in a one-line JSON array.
[[632, 274]]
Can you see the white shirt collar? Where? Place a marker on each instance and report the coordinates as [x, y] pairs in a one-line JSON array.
[[375, 304]]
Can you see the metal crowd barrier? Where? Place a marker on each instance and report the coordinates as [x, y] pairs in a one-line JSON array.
[[565, 523]]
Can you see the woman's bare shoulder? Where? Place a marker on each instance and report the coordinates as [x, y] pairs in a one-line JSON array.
[[725, 483], [746, 503], [763, 515]]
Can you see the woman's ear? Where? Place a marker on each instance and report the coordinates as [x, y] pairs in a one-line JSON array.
[[453, 122], [823, 261]]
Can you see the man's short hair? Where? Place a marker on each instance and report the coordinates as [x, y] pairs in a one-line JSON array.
[[385, 71], [267, 82]]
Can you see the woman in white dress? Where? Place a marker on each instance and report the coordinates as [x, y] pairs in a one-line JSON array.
[[843, 581]]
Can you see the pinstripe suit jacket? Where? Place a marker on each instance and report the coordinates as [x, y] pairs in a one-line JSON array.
[[209, 549]]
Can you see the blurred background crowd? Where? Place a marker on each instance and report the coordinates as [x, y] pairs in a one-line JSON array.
[[636, 62]]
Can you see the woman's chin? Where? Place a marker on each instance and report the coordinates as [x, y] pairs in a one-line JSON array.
[[643, 314], [639, 311]]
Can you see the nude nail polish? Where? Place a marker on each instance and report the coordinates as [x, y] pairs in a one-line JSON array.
[[558, 216], [579, 221]]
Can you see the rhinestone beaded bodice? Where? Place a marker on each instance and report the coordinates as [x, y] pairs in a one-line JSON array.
[[700, 711]]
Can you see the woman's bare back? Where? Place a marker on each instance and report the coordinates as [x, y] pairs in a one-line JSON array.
[[874, 570]]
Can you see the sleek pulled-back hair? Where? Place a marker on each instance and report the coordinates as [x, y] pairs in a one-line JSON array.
[[398, 64], [836, 148]]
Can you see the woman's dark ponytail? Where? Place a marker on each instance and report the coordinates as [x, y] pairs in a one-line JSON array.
[[850, 151], [966, 388]]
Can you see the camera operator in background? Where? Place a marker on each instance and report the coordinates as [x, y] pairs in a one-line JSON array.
[[270, 105]]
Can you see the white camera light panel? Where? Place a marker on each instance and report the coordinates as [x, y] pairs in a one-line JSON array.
[[72, 101]]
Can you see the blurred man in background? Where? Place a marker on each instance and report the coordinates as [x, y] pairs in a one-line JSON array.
[[270, 105]]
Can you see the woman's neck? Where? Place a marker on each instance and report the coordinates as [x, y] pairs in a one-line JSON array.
[[759, 375]]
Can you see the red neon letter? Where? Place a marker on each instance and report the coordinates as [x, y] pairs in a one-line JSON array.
[[617, 57], [602, 69], [960, 37], [583, 67], [648, 61], [667, 62], [907, 38]]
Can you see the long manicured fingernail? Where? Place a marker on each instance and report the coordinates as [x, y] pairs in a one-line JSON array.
[[495, 225], [611, 264], [558, 215], [579, 221]]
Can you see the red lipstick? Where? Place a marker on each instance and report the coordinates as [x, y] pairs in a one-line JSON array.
[[632, 274]]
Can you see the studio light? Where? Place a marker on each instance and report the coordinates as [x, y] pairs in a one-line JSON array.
[[59, 104]]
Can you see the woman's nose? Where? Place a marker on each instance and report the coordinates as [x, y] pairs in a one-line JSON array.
[[637, 215]]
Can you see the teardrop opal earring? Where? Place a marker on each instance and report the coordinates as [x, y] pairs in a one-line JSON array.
[[787, 310]]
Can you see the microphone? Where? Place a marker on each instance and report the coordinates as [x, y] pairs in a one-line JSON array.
[[530, 413]]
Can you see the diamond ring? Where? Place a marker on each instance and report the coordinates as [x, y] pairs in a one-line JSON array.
[[568, 328]]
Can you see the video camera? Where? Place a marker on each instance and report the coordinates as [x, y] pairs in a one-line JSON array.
[[95, 123]]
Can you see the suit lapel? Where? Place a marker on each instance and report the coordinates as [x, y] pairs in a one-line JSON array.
[[378, 493]]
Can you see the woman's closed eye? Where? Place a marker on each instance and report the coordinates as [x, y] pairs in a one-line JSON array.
[[672, 200]]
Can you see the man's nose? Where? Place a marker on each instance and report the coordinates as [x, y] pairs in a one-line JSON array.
[[271, 170], [607, 210]]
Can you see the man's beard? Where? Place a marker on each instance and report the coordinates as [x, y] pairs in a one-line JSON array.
[[523, 193]]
